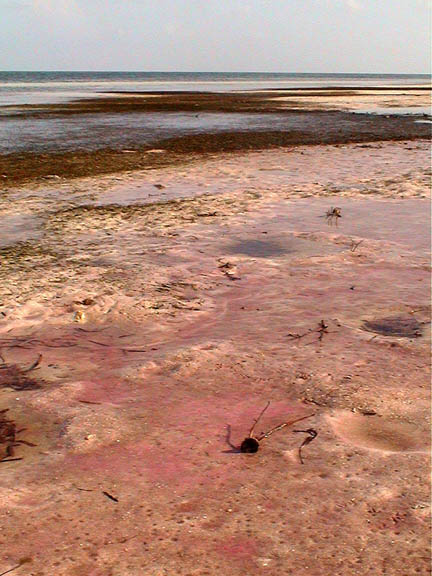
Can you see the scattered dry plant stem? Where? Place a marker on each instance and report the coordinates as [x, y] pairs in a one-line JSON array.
[[83, 489], [355, 245], [21, 562], [93, 331], [35, 364], [251, 431], [124, 540], [306, 400], [23, 342], [312, 434], [11, 569], [110, 496], [321, 330], [96, 342], [298, 336]]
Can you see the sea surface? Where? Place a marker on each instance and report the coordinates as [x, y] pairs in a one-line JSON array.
[[46, 87], [119, 131]]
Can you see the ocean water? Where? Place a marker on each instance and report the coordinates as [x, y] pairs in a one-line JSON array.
[[36, 134], [17, 88]]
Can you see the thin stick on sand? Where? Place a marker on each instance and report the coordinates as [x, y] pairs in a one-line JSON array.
[[283, 425], [258, 419]]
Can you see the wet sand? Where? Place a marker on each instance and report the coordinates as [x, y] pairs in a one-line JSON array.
[[361, 100], [168, 307]]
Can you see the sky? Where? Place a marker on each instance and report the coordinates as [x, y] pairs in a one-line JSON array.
[[375, 36]]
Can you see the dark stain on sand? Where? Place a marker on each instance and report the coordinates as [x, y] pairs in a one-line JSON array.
[[271, 248], [258, 248], [398, 326]]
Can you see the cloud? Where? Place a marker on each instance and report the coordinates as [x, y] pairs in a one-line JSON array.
[[354, 4], [16, 4], [55, 6], [173, 27]]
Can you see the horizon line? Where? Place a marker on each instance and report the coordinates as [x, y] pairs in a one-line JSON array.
[[221, 72]]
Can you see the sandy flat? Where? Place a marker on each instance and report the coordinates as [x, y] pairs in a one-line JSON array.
[[169, 307], [367, 100]]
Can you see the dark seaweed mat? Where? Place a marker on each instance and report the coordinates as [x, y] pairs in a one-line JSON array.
[[396, 326]]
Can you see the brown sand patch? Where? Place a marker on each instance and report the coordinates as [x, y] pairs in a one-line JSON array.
[[375, 433]]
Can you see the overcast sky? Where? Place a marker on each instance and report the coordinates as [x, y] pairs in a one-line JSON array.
[[387, 36]]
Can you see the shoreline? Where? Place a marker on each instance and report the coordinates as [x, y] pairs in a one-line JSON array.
[[316, 118]]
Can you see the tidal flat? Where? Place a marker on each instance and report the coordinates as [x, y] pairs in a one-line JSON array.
[[121, 132], [148, 314]]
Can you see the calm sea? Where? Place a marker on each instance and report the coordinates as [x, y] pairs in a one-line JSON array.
[[45, 87], [32, 133]]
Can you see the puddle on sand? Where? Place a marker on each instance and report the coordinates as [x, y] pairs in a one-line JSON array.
[[285, 246], [19, 228], [396, 326], [398, 221]]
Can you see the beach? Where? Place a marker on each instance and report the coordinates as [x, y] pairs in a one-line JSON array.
[[156, 293]]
